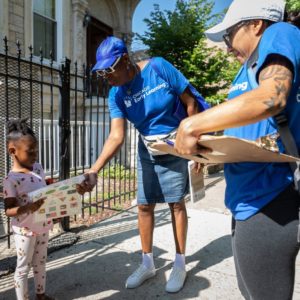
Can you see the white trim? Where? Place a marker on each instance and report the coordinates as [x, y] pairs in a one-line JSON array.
[[46, 17], [59, 31]]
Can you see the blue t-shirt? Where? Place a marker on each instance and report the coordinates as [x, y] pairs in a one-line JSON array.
[[250, 186], [148, 101]]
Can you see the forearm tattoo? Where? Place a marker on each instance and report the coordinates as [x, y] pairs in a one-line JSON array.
[[280, 73]]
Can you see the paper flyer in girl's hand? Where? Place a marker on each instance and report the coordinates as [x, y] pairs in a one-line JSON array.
[[61, 199]]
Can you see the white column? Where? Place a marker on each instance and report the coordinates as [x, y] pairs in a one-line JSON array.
[[79, 32]]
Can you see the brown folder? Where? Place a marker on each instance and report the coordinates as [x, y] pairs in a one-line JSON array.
[[226, 149]]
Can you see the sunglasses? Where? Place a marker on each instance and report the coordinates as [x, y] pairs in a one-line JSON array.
[[229, 33], [110, 69]]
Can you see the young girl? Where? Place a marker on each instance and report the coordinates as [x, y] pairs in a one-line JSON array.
[[31, 239]]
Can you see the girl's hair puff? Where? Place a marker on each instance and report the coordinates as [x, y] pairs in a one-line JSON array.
[[18, 128]]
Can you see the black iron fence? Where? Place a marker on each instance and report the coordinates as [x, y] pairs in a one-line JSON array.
[[67, 107]]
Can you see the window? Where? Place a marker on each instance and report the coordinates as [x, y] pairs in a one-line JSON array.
[[44, 28]]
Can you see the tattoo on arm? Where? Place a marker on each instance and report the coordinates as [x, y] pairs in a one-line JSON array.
[[279, 71]]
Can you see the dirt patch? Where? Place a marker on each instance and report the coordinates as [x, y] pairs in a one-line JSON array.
[[103, 213]]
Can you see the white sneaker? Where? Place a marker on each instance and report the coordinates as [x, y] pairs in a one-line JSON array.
[[176, 280], [139, 276]]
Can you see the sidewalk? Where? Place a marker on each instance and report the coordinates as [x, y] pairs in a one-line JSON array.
[[97, 266]]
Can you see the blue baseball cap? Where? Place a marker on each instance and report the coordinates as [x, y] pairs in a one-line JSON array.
[[108, 51]]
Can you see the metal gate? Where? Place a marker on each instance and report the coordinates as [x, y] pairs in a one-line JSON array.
[[67, 108]]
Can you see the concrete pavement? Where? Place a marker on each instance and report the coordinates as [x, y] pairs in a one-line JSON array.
[[97, 266]]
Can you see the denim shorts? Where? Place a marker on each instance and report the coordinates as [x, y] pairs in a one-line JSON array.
[[161, 178]]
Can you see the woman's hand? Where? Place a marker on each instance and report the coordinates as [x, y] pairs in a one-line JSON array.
[[198, 167], [88, 184], [185, 142]]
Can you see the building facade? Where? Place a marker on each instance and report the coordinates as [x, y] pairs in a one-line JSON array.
[[68, 28], [55, 30], [34, 82]]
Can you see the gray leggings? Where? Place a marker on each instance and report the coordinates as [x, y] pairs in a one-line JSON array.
[[265, 248]]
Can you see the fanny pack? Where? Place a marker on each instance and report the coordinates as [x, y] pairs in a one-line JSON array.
[[150, 139], [179, 110]]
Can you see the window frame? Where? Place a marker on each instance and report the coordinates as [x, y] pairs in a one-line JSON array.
[[59, 31]]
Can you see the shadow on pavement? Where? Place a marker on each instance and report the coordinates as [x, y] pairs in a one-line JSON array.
[[99, 264]]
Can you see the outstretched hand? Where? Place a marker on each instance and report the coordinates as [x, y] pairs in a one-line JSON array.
[[88, 184]]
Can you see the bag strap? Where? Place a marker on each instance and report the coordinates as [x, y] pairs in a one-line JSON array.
[[179, 110], [281, 121], [252, 69], [290, 145], [202, 104], [156, 69]]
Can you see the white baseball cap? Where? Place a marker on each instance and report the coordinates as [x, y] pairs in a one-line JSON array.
[[243, 10]]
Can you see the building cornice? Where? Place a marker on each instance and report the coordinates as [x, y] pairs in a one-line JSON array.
[[79, 5]]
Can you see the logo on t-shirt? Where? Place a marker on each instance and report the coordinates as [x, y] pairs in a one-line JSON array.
[[142, 94], [127, 101], [240, 86]]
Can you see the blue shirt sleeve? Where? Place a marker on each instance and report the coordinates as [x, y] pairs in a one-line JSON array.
[[282, 39], [114, 105], [174, 77]]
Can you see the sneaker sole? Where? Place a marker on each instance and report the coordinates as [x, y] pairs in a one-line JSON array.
[[177, 290]]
